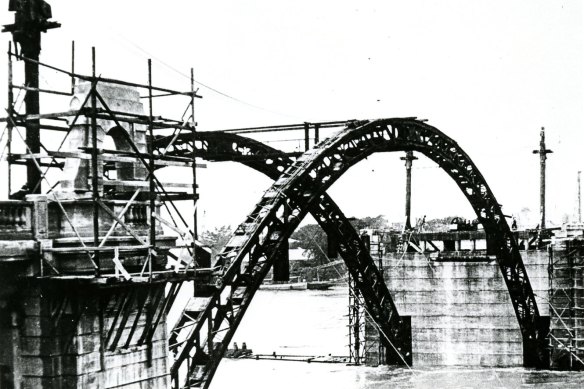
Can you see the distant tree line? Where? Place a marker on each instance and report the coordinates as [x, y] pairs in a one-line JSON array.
[[313, 239]]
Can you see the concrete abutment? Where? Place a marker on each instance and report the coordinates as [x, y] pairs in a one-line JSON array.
[[461, 312]]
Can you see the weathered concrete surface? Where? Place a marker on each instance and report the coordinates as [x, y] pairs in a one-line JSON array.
[[461, 311], [41, 349]]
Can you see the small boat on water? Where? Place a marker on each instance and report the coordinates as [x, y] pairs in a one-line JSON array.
[[296, 285], [319, 285], [285, 286]]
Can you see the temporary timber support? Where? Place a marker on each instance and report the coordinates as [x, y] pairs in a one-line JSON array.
[[94, 167], [566, 302], [356, 325]]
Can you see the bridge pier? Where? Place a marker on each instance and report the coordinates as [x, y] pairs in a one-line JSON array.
[[461, 312], [68, 320], [59, 337]]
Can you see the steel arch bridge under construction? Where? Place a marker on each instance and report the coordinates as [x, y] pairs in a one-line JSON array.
[[300, 187]]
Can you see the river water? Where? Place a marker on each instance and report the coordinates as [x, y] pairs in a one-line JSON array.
[[315, 323]]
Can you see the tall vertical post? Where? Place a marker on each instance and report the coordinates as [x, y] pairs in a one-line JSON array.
[[542, 151], [579, 200], [195, 195], [350, 312], [11, 116], [152, 206], [357, 325], [316, 133], [380, 347], [30, 19], [94, 162], [72, 67], [151, 194], [306, 136], [353, 358], [409, 158], [31, 102]]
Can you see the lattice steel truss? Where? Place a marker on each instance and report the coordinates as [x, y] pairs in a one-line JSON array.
[[248, 256], [191, 351]]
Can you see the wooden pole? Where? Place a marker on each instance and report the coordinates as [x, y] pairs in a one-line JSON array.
[[94, 166], [10, 114], [409, 158], [542, 165], [195, 194], [72, 67], [306, 136], [152, 195]]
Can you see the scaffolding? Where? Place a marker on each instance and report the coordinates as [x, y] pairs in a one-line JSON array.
[[361, 325], [127, 291], [356, 325], [149, 193], [121, 257], [566, 304], [113, 251]]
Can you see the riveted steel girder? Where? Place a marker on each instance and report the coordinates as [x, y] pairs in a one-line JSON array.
[[301, 188], [218, 146]]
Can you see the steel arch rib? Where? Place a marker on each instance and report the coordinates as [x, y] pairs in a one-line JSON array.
[[219, 146], [303, 184], [317, 169], [321, 167]]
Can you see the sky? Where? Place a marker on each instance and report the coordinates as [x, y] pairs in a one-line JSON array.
[[489, 74]]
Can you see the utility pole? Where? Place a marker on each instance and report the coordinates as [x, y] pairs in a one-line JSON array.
[[30, 19], [409, 158], [542, 158]]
